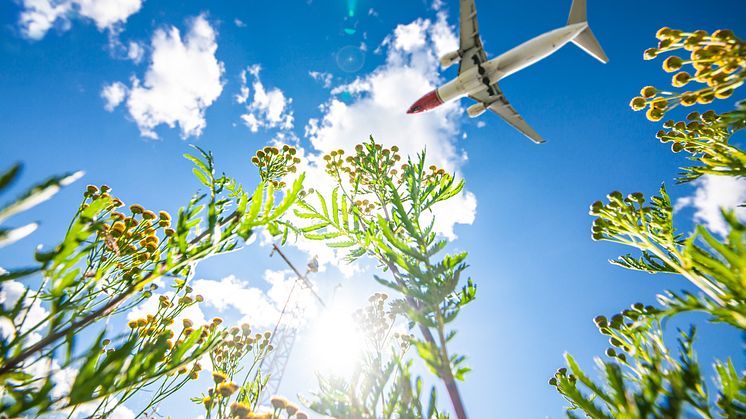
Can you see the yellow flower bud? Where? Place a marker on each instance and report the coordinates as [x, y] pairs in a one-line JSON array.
[[650, 54], [681, 79], [226, 389], [278, 402], [648, 92], [672, 64], [654, 114]]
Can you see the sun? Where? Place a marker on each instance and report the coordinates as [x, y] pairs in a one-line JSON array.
[[336, 342]]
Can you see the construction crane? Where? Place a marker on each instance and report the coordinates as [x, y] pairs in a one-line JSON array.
[[284, 333]]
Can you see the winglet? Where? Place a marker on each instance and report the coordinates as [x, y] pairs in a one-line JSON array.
[[585, 39]]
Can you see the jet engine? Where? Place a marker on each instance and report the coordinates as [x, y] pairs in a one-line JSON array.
[[476, 109], [447, 60]]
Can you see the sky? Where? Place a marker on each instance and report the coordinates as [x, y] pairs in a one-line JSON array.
[[120, 88]]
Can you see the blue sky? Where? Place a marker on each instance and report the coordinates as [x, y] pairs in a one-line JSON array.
[[524, 220]]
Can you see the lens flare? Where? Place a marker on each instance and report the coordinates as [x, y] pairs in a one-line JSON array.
[[350, 59]]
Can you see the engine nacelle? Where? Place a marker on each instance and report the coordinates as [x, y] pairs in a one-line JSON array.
[[476, 109], [449, 59]]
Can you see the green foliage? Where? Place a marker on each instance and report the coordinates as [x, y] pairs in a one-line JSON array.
[[383, 209], [226, 397], [644, 376], [29, 199], [104, 266]]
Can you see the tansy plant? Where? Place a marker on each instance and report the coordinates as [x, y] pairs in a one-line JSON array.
[[104, 266], [382, 385], [382, 207], [644, 376]]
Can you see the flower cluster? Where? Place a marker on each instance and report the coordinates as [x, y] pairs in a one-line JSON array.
[[131, 241], [237, 343], [368, 169], [153, 327], [718, 60], [692, 135], [274, 163], [280, 404], [375, 321], [226, 363]]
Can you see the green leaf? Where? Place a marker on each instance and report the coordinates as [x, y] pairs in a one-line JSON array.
[[38, 194], [201, 177], [10, 175], [197, 162], [10, 236]]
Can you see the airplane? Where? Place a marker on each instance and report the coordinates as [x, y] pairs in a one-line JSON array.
[[477, 76]]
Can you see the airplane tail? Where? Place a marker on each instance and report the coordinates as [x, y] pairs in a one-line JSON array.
[[585, 40]]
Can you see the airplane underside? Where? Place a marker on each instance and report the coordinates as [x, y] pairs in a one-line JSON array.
[[477, 77]]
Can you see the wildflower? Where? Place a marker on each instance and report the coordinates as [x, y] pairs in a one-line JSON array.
[[291, 409], [648, 92], [240, 409], [705, 97], [137, 209], [650, 53], [659, 103], [149, 215], [163, 215], [217, 320], [226, 389], [278, 402], [187, 323], [654, 114], [688, 99], [132, 324], [218, 376], [301, 415], [207, 401], [663, 33], [724, 94], [680, 79], [672, 64], [169, 232]]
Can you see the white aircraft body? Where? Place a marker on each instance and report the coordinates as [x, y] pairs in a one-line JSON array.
[[478, 77]]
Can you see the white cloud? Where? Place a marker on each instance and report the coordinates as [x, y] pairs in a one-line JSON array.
[[239, 23], [182, 81], [113, 94], [712, 194], [38, 16], [256, 307], [30, 315], [268, 108], [135, 51], [322, 77], [378, 108]]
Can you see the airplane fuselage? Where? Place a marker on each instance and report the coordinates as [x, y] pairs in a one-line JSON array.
[[480, 77]]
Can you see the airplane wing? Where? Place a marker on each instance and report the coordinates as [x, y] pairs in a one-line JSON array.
[[497, 103], [470, 44]]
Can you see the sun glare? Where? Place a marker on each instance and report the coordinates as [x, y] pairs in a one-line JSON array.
[[336, 342]]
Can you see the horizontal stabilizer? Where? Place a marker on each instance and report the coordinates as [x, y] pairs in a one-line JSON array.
[[588, 43]]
